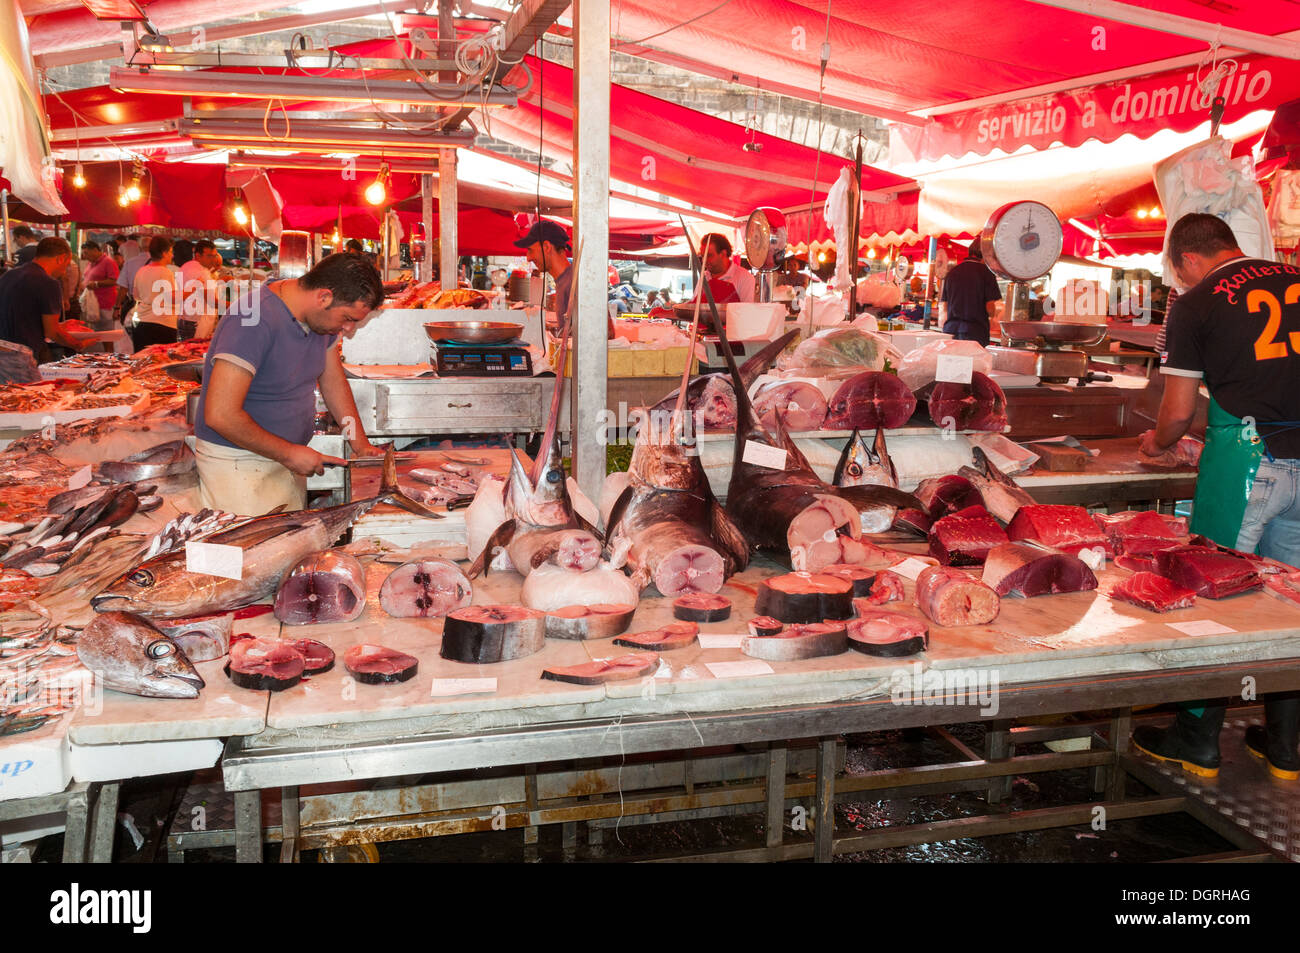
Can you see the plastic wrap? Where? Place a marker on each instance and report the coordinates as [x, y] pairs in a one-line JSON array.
[[839, 352], [838, 214], [918, 367], [1284, 208]]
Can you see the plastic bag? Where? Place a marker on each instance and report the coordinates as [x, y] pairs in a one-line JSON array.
[[918, 367], [839, 352], [90, 308], [838, 213]]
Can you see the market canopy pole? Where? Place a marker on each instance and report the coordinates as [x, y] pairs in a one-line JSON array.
[[591, 226], [448, 211]]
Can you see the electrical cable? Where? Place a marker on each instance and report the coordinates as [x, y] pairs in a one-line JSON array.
[[678, 26]]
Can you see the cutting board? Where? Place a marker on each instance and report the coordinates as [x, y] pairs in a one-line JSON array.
[[1054, 456]]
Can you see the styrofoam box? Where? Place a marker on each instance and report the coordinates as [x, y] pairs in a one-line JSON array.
[[35, 763], [754, 321], [142, 759]]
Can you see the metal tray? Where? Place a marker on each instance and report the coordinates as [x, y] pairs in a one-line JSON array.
[[1053, 332], [472, 332]]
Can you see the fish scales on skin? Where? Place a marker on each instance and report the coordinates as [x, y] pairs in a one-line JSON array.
[[1031, 569], [1208, 572], [966, 537], [161, 586], [1067, 528], [425, 589], [1146, 590], [950, 597], [325, 586], [166, 459], [130, 655], [1002, 496]]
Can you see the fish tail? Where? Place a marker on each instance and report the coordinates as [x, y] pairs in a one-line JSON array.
[[388, 482]]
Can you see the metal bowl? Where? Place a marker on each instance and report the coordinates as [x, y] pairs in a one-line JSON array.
[[472, 332], [191, 372], [1053, 332]]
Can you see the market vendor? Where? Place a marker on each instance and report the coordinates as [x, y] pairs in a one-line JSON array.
[[257, 408], [545, 246], [1223, 333], [31, 300], [969, 298], [728, 280]]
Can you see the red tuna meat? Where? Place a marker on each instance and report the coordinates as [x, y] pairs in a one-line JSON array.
[[947, 494], [979, 405], [1141, 532], [1032, 569], [1208, 572], [965, 538], [870, 400], [1149, 591], [1067, 528]]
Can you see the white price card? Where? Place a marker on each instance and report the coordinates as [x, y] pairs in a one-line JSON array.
[[1201, 627], [214, 559], [762, 455], [1094, 557], [716, 641], [738, 669], [442, 687], [79, 479], [910, 568], [954, 368]]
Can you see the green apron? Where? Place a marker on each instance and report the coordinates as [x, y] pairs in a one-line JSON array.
[[1227, 472]]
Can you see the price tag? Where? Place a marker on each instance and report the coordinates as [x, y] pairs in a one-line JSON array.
[[1201, 627], [910, 568], [738, 669], [762, 455], [79, 479], [443, 687], [954, 368], [719, 641], [1094, 557], [214, 559]]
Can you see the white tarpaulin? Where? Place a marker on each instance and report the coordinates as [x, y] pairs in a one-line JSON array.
[[24, 147]]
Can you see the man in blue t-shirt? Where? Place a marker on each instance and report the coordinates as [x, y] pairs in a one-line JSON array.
[[970, 294], [257, 407]]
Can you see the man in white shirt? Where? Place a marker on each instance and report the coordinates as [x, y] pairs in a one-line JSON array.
[[126, 282], [157, 292], [199, 263], [718, 263]]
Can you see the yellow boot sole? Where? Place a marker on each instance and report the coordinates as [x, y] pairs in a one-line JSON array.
[[1280, 773], [1189, 766]]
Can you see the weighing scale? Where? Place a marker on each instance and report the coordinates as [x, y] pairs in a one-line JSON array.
[[765, 241], [507, 359]]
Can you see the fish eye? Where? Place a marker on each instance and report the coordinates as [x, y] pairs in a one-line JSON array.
[[554, 476], [854, 469], [142, 578], [160, 648]]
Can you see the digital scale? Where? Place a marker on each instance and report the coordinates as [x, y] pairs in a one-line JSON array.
[[507, 359]]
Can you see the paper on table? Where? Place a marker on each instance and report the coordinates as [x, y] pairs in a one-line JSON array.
[[719, 641], [443, 687], [214, 559], [79, 479], [762, 455], [910, 568], [1201, 627], [738, 669]]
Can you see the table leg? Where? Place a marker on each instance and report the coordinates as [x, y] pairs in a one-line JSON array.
[[997, 747], [289, 825], [530, 801], [776, 769], [1121, 726], [825, 833], [104, 823], [76, 827], [248, 827]]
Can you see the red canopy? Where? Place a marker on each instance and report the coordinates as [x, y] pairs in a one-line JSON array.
[[178, 195]]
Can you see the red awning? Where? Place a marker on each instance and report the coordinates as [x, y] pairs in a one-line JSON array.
[[177, 195]]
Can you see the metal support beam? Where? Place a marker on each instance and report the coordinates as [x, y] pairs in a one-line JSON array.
[[426, 220], [591, 225], [825, 804], [248, 827], [449, 240]]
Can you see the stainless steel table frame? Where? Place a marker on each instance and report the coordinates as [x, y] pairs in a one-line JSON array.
[[90, 817], [248, 769]]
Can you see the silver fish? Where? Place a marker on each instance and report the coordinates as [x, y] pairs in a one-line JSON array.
[[167, 459], [131, 656], [860, 465]]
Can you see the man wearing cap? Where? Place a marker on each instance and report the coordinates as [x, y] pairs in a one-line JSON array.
[[545, 246]]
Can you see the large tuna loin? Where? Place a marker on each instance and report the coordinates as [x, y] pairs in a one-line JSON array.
[[870, 399], [327, 586], [129, 655], [1208, 572], [1032, 569], [979, 405], [1149, 591], [950, 597], [1067, 528], [425, 589], [484, 634], [965, 538], [800, 404], [947, 494], [1141, 532]]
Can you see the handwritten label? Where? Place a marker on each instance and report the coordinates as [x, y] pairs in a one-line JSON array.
[[79, 479], [443, 687], [1201, 627], [738, 669], [214, 559], [762, 455], [910, 568], [719, 641], [954, 368]]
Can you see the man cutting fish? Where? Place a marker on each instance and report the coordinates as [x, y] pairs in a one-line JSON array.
[[267, 359], [1230, 332]]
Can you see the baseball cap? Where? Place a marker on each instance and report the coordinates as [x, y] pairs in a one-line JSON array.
[[545, 231]]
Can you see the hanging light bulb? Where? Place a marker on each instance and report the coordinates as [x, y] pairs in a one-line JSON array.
[[376, 192], [122, 199], [1156, 213], [133, 190], [871, 253], [240, 215], [78, 177], [1142, 213]]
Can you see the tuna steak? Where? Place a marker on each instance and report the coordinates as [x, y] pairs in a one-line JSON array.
[[485, 634], [800, 404], [327, 586], [1063, 527], [265, 665], [965, 538], [1149, 591], [425, 589], [1032, 569], [870, 399], [950, 597], [979, 405], [377, 664], [1208, 572], [798, 642], [887, 634], [675, 635], [599, 671]]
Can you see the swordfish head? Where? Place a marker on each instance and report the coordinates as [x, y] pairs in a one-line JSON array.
[[546, 502]]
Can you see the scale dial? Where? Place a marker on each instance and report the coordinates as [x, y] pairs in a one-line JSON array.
[[1022, 240], [765, 239], [902, 268]]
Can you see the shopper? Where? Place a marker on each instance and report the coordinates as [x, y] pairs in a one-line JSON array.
[[31, 299], [101, 281], [25, 243], [969, 298], [127, 270], [257, 407], [1248, 484], [157, 292]]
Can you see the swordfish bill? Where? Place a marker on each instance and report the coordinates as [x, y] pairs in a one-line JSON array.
[[791, 509], [162, 587]]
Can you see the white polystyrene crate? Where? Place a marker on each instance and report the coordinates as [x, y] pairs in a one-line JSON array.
[[35, 763], [142, 759]]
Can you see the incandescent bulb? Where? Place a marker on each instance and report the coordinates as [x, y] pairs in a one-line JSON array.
[[240, 215], [133, 192], [376, 193]]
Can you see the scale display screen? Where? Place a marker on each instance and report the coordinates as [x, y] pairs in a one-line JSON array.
[[482, 360]]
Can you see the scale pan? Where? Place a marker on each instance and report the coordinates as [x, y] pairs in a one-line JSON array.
[[472, 332], [1053, 332]]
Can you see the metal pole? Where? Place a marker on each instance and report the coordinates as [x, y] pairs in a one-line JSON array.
[[932, 252], [4, 215], [448, 215], [426, 217], [591, 221]]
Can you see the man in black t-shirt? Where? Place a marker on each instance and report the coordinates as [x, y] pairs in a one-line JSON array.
[[970, 293], [1237, 330], [31, 299]]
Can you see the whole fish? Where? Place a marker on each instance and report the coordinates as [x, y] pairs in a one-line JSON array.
[[1002, 495], [860, 465], [714, 394], [167, 459], [131, 656], [161, 586]]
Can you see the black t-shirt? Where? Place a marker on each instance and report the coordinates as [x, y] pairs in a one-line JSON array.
[[1239, 330], [27, 293], [25, 254], [968, 288]]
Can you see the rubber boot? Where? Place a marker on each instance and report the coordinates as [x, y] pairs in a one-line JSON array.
[[1192, 741], [1275, 741]]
